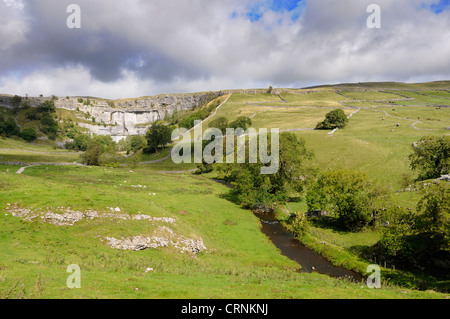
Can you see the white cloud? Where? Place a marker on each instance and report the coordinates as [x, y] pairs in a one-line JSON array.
[[136, 48]]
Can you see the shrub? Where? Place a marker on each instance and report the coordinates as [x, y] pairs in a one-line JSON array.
[[424, 236], [220, 123], [346, 193], [299, 224], [92, 154], [29, 134], [241, 122], [32, 114], [135, 143], [334, 119], [9, 128], [431, 156], [47, 107]]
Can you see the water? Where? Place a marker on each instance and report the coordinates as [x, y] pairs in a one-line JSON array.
[[296, 251]]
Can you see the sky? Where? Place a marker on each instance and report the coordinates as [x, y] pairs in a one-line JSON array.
[[134, 48]]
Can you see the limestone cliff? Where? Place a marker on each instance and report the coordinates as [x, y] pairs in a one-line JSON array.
[[120, 118]]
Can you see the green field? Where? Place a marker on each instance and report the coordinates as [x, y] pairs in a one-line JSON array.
[[239, 260]]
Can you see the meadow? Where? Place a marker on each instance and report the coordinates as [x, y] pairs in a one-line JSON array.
[[239, 261]]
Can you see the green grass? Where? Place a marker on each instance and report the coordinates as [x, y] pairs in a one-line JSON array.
[[17, 150], [425, 99], [240, 261], [370, 95]]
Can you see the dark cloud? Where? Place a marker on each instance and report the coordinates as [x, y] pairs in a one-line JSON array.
[[195, 45]]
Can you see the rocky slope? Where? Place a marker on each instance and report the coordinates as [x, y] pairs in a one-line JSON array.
[[120, 118]]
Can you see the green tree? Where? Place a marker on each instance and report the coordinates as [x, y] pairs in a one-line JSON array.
[[253, 188], [220, 123], [241, 122], [422, 236], [299, 224], [29, 134], [158, 135], [15, 102], [9, 128], [92, 154], [434, 216], [46, 107], [431, 156], [334, 119], [135, 143], [347, 194]]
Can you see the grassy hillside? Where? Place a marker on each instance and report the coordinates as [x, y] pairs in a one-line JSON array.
[[239, 261]]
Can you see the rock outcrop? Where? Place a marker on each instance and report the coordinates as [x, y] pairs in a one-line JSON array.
[[121, 118], [65, 216], [162, 237]]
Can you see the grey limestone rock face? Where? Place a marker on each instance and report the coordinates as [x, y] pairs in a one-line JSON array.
[[121, 118]]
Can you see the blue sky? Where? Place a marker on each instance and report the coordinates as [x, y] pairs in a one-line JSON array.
[[294, 7], [439, 7]]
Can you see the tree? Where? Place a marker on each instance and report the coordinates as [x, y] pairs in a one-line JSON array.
[[269, 90], [9, 128], [29, 134], [431, 156], [220, 123], [46, 107], [347, 194], [434, 214], [253, 188], [241, 122], [135, 143], [334, 119], [92, 155], [158, 135], [15, 102], [423, 236]]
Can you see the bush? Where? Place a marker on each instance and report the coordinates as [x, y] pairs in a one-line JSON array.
[[253, 188], [15, 102], [347, 194], [334, 119], [135, 143], [92, 154], [299, 224], [431, 156], [9, 128], [47, 107], [423, 236], [241, 122], [29, 134], [220, 123]]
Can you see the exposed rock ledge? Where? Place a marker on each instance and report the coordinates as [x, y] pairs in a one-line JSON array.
[[163, 237], [68, 217]]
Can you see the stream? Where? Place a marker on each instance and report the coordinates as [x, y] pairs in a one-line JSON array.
[[292, 248], [298, 252]]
